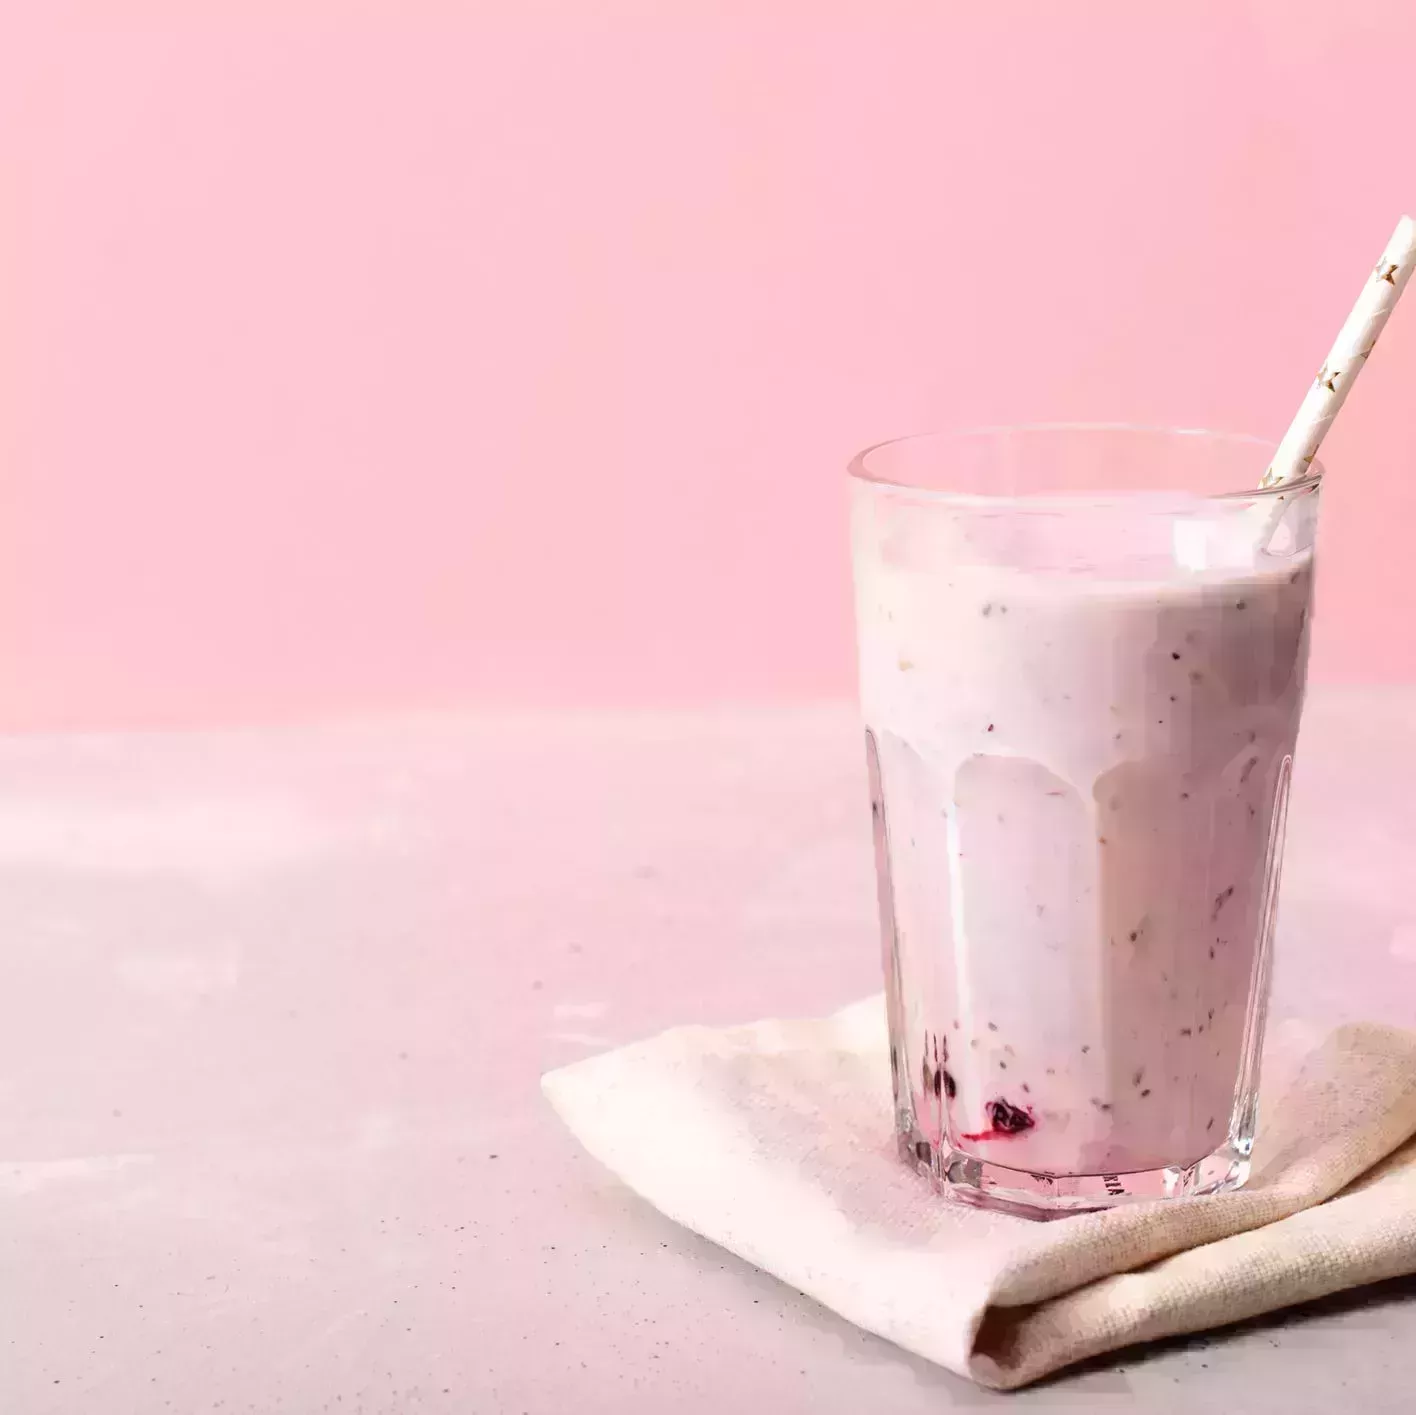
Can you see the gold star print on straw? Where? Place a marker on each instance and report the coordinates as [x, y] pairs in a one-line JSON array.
[[1358, 336]]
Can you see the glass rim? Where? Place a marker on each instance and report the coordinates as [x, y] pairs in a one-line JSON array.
[[859, 471]]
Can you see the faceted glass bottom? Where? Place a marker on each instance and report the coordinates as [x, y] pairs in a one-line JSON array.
[[1032, 1195]]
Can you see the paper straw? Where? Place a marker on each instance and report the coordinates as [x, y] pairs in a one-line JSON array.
[[1339, 371]]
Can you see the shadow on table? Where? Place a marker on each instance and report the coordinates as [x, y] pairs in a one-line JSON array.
[[1377, 1296]]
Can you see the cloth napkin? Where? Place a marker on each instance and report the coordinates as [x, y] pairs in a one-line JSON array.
[[774, 1140]]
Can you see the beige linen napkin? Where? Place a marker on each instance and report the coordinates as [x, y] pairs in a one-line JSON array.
[[774, 1141]]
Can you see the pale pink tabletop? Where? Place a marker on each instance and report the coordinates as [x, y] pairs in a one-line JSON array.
[[273, 1008]]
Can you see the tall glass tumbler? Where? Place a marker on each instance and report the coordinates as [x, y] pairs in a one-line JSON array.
[[1082, 659]]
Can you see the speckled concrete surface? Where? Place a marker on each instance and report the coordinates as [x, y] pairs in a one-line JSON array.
[[273, 1008]]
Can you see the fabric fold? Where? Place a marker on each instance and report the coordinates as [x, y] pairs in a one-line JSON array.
[[774, 1140]]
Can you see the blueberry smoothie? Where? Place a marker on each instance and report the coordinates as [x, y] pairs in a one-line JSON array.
[[1080, 771]]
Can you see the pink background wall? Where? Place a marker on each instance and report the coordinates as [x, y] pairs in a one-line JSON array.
[[369, 355]]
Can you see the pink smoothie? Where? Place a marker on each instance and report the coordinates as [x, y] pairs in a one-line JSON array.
[[1083, 781]]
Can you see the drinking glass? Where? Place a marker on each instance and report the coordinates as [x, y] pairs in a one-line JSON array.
[[1082, 660]]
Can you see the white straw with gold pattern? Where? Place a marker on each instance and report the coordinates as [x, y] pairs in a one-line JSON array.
[[1339, 371]]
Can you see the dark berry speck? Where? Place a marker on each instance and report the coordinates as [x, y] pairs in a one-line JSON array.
[[1008, 1119]]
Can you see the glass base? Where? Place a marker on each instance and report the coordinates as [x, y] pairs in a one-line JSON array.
[[1043, 1196]]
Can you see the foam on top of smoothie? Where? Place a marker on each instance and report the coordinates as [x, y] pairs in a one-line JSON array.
[[1109, 554]]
